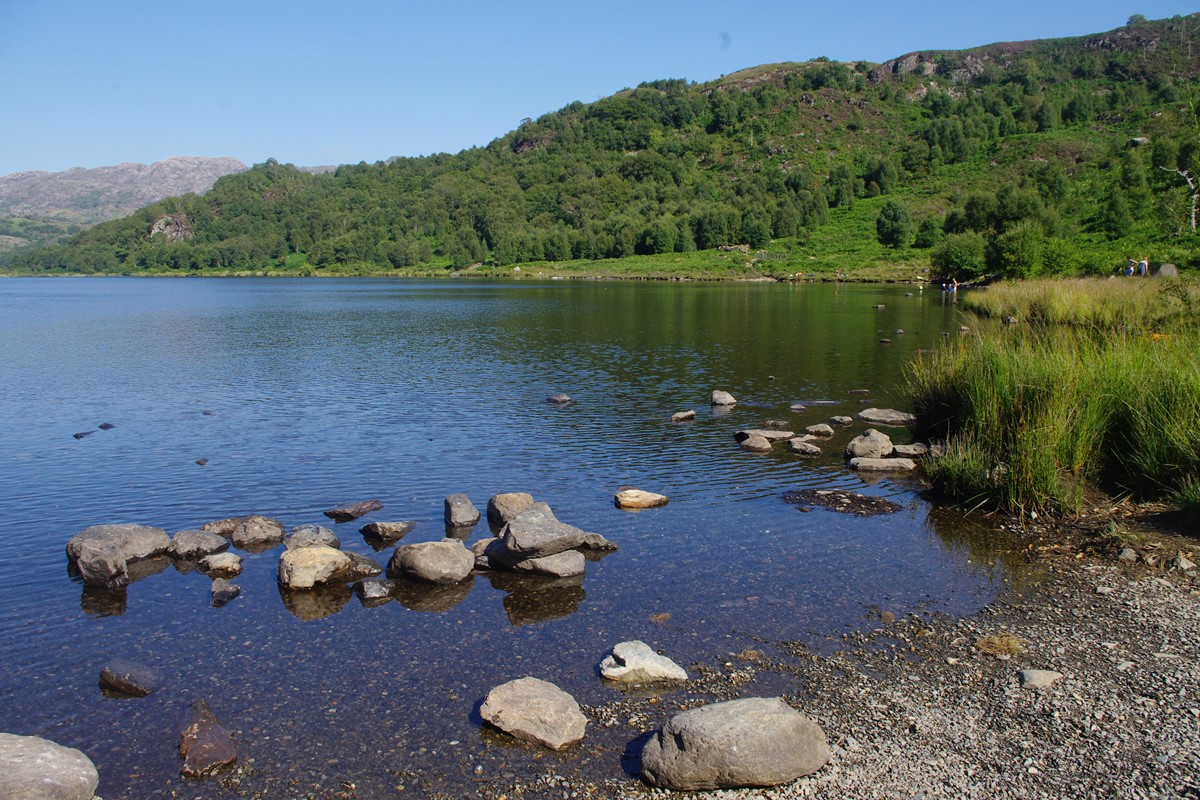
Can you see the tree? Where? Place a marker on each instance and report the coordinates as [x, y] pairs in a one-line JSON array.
[[960, 255], [929, 233], [893, 226]]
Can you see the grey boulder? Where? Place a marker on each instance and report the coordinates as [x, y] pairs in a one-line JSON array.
[[536, 533], [444, 562], [306, 567], [503, 507], [636, 662], [887, 416], [33, 768], [193, 545], [311, 535], [225, 565], [739, 743], [387, 531], [101, 554], [534, 710], [257, 533], [460, 512], [871, 444]]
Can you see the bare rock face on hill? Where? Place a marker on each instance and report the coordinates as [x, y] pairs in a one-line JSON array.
[[95, 195]]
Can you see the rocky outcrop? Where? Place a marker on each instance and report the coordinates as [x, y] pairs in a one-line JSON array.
[[444, 562], [173, 228], [33, 768], [537, 711], [204, 744], [752, 742], [635, 662]]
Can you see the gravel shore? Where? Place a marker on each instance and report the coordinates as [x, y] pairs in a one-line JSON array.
[[927, 707]]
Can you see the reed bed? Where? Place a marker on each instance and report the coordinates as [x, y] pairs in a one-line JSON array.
[[1031, 415]]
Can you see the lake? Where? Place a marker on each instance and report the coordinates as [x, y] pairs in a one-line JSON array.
[[305, 394]]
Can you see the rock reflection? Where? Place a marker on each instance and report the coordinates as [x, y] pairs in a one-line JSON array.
[[984, 543], [432, 597], [147, 567], [313, 604], [103, 603], [532, 599]]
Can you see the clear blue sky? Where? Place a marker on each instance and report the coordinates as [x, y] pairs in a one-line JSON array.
[[96, 82]]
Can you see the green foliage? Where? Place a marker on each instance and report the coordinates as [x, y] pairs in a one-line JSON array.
[[893, 226], [929, 233], [960, 256]]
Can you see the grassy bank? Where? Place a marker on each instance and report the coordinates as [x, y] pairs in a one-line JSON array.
[[1035, 413]]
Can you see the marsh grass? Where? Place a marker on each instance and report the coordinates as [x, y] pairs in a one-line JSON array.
[[1161, 306], [1031, 417]]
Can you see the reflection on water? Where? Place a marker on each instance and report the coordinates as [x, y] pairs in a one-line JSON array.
[[298, 394]]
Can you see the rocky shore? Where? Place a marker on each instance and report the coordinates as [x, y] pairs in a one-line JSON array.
[[925, 707]]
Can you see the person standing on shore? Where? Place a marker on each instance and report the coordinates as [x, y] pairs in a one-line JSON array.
[[1143, 266]]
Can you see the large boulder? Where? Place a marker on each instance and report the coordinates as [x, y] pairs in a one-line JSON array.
[[257, 533], [757, 741], [636, 662], [536, 532], [460, 512], [33, 768], [534, 710], [133, 542], [204, 744], [871, 444], [306, 567], [193, 545], [310, 536], [887, 416], [447, 561], [503, 507]]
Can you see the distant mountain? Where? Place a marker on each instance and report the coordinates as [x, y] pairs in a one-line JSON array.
[[86, 196]]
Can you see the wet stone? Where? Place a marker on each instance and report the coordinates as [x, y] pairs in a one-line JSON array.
[[460, 512], [222, 591], [122, 676], [311, 536], [353, 511], [204, 744], [846, 502]]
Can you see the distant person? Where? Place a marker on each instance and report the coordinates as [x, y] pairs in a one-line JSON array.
[[1129, 267], [1143, 267]]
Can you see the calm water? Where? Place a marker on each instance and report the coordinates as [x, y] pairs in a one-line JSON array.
[[306, 394]]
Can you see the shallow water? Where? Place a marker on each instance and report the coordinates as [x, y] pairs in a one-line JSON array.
[[304, 394]]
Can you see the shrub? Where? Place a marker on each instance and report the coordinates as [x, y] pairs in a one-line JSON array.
[[960, 255]]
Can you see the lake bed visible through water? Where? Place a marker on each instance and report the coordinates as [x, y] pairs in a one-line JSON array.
[[305, 394]]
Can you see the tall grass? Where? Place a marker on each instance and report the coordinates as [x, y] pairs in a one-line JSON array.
[[1032, 416], [1113, 305]]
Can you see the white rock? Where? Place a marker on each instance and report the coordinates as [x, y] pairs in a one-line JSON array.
[[636, 662]]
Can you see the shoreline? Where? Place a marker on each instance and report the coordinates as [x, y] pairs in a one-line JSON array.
[[914, 708]]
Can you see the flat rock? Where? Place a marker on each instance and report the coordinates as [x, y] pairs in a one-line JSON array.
[[133, 542], [804, 448], [636, 662], [820, 429], [224, 565], [33, 768], [1039, 678], [222, 591], [756, 741], [460, 512], [311, 536], [914, 450], [720, 398], [387, 531], [566, 564], [537, 711], [870, 444], [193, 545], [887, 416], [882, 464], [503, 507], [130, 678], [306, 567], [204, 744], [683, 416], [353, 511], [841, 421], [756, 444], [770, 434], [257, 533], [636, 498], [444, 562]]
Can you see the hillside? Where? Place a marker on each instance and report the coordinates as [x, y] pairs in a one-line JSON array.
[[1062, 155], [37, 205]]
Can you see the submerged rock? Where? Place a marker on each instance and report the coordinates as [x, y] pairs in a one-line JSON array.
[[130, 678], [636, 662], [751, 742], [222, 591], [559, 399], [33, 768], [537, 711], [839, 500], [204, 744]]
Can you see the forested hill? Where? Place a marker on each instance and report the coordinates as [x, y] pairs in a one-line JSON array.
[[1013, 158]]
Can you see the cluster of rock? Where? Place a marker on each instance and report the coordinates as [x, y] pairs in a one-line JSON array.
[[738, 743]]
